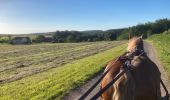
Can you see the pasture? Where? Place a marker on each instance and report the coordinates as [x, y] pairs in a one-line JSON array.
[[49, 71], [162, 44]]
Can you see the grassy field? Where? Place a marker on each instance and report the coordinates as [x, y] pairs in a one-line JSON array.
[[20, 61], [162, 44], [78, 62]]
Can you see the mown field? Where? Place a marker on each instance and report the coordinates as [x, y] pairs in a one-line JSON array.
[[162, 44], [49, 71]]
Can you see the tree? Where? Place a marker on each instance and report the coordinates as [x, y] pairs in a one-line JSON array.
[[149, 33], [70, 38], [40, 38]]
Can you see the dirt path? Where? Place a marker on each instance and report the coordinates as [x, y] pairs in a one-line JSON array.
[[75, 94], [151, 52]]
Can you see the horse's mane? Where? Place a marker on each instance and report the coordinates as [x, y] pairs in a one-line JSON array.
[[135, 42]]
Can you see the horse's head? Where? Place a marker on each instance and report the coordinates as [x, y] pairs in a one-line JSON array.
[[135, 43]]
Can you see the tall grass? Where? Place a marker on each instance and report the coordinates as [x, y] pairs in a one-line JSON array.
[[162, 44]]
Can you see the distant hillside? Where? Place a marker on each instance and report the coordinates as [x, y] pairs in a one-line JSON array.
[[92, 31]]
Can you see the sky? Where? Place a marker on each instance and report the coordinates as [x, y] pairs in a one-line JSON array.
[[33, 16]]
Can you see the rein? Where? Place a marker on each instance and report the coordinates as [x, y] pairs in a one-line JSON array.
[[98, 94], [98, 81]]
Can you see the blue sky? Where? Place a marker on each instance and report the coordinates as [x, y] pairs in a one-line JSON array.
[[31, 16]]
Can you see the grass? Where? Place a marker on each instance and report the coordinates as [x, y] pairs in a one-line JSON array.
[[162, 44], [56, 82], [19, 61]]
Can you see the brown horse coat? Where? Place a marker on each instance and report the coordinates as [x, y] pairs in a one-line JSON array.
[[142, 83]]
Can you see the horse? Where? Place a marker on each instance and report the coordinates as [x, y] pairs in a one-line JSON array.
[[141, 83]]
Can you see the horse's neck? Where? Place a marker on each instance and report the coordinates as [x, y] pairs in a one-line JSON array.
[[115, 67]]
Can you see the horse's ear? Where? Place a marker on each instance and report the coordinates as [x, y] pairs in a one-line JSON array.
[[141, 36]]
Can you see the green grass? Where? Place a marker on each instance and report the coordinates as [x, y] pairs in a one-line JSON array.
[[162, 44], [56, 82]]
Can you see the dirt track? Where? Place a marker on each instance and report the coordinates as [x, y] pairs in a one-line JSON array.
[[151, 52]]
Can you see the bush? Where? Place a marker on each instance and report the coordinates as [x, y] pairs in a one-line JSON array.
[[166, 32], [39, 38], [5, 39]]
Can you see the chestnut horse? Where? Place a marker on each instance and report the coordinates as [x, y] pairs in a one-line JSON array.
[[142, 83]]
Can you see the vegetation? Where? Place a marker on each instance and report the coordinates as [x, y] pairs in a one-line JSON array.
[[5, 39], [147, 29], [55, 82], [161, 42], [19, 61], [49, 71], [39, 38]]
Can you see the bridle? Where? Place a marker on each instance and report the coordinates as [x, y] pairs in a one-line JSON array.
[[127, 67]]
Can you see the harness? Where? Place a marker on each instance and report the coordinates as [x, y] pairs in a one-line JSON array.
[[127, 67]]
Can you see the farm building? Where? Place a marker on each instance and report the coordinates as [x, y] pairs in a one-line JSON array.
[[21, 40]]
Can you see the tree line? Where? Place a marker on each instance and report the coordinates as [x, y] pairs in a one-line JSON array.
[[147, 29]]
